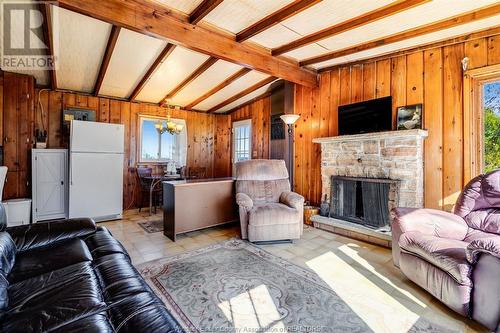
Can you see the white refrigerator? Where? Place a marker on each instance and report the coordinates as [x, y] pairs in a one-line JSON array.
[[96, 170]]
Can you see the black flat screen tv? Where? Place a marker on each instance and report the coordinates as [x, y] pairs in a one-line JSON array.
[[370, 116]]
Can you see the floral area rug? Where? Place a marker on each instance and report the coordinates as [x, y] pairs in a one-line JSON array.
[[152, 226], [236, 286]]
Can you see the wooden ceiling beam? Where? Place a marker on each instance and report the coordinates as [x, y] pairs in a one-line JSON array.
[[155, 20], [353, 23], [169, 48], [49, 42], [200, 70], [218, 87], [243, 93], [275, 18], [205, 7], [468, 17], [113, 37]]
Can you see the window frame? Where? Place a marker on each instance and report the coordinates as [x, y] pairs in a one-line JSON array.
[[236, 124], [474, 80], [141, 119]]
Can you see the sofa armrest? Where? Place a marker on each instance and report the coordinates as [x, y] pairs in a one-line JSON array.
[[244, 201], [426, 221], [490, 245], [430, 222], [40, 234], [292, 200]]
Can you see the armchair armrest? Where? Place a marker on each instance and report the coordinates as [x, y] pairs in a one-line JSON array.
[[244, 201], [39, 234], [490, 245], [426, 221], [430, 222], [292, 200]]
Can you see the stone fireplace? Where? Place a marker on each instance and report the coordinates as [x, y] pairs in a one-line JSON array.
[[385, 167]]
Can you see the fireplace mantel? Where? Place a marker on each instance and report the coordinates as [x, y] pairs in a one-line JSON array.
[[373, 136]]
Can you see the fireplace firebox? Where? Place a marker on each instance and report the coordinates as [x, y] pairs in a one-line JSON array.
[[363, 201]]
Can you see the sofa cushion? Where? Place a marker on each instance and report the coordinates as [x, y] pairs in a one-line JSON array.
[[7, 253], [41, 260], [97, 323], [55, 305], [272, 214], [448, 255], [28, 237], [19, 292], [102, 243], [262, 191], [487, 220], [480, 199]]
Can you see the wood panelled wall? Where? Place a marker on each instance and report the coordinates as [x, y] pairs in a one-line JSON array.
[[259, 111], [433, 77], [22, 118], [200, 129], [17, 129]]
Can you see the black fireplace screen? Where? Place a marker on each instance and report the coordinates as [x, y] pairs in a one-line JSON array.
[[361, 200]]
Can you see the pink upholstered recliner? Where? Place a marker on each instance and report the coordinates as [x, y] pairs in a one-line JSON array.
[[456, 257]]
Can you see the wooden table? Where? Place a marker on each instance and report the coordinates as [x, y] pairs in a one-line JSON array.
[[195, 204]]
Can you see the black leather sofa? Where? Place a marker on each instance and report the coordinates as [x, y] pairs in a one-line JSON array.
[[71, 276]]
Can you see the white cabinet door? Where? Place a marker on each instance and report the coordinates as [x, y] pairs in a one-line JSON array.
[[49, 184]]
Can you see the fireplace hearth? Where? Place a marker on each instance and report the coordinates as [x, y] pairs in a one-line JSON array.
[[365, 201]]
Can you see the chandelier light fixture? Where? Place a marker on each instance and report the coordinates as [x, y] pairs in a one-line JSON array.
[[169, 126]]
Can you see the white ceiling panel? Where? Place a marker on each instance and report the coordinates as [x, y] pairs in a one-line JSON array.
[[412, 42], [234, 88], [246, 98], [79, 49], [134, 53], [236, 15], [275, 36], [214, 75], [320, 16], [185, 6], [308, 51], [427, 13], [177, 67], [331, 12]]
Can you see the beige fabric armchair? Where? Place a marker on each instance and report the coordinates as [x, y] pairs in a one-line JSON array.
[[269, 211]]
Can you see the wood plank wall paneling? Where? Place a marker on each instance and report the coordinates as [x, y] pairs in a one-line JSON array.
[[19, 131], [18, 126], [433, 77]]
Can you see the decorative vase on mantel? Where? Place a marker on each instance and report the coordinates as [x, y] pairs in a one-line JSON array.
[[324, 209]]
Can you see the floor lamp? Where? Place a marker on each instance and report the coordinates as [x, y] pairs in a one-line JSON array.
[[289, 120]]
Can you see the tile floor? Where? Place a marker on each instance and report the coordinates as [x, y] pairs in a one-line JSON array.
[[359, 272]]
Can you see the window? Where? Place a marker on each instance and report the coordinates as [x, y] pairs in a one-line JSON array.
[[166, 147], [242, 142], [481, 120], [491, 114]]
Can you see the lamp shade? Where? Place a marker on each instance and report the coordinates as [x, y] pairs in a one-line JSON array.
[[289, 119]]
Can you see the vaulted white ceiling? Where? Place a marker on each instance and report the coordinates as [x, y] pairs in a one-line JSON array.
[[80, 45]]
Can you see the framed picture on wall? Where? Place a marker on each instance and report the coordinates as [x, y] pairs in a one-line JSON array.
[[409, 117]]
